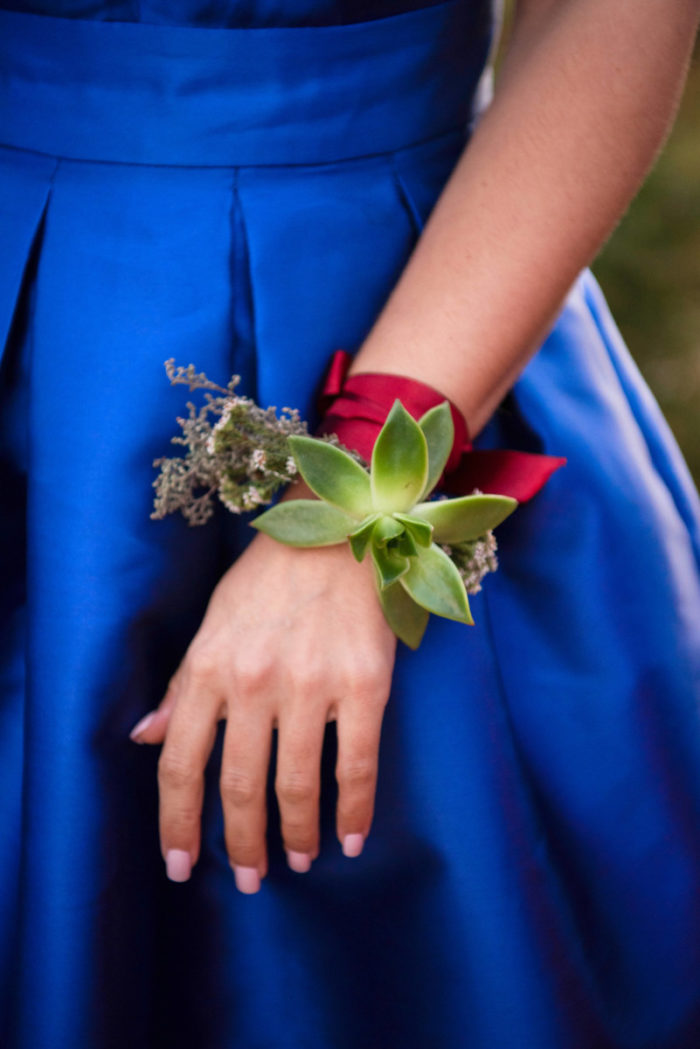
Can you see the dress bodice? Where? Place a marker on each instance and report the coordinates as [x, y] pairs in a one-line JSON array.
[[222, 13]]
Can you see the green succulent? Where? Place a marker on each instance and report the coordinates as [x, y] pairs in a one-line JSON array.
[[386, 511]]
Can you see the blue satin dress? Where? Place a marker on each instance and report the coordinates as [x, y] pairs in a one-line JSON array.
[[239, 185]]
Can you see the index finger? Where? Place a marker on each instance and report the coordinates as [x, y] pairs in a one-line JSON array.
[[188, 744]]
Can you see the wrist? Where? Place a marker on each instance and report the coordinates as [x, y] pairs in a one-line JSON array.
[[298, 489], [355, 407]]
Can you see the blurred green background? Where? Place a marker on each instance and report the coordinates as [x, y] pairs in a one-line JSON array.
[[649, 270], [650, 273]]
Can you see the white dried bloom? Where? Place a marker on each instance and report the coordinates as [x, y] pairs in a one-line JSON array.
[[251, 498], [291, 466], [258, 459], [230, 505], [228, 407]]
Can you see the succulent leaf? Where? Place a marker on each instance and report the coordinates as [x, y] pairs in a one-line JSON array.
[[399, 467], [305, 522], [360, 538], [406, 545], [434, 582], [390, 564], [333, 475], [407, 619], [421, 531], [439, 432], [385, 529], [466, 517]]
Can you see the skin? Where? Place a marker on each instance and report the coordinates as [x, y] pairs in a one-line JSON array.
[[294, 638]]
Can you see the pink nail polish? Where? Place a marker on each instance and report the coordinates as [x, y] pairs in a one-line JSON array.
[[247, 878], [299, 861], [178, 864], [140, 726], [352, 844]]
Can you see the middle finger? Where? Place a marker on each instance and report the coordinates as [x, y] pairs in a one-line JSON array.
[[300, 736], [244, 764]]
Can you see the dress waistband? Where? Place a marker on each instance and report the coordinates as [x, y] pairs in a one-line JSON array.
[[180, 95]]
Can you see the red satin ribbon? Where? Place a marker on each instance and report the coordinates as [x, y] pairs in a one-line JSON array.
[[355, 408]]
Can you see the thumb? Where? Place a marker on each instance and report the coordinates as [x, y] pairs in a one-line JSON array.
[[153, 726]]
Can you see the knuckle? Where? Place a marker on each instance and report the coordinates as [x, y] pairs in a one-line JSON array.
[[300, 834], [238, 788], [251, 675], [307, 680], [368, 683], [244, 851], [203, 663], [176, 771], [355, 813], [358, 774], [297, 827], [182, 821], [297, 822], [296, 788], [300, 841]]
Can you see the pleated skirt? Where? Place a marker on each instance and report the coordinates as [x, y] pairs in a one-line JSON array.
[[245, 200]]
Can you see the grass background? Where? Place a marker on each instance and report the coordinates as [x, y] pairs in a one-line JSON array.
[[649, 270]]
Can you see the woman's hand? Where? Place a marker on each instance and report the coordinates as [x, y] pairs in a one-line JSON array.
[[291, 638]]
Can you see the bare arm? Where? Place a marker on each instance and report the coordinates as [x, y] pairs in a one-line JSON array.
[[587, 94]]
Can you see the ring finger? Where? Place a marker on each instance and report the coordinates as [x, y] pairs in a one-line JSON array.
[[359, 731]]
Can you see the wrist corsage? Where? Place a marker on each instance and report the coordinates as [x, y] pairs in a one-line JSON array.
[[378, 492]]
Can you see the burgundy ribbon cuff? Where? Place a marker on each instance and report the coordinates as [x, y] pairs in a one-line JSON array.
[[355, 407]]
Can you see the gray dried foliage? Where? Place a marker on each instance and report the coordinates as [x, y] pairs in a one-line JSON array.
[[237, 452], [474, 559]]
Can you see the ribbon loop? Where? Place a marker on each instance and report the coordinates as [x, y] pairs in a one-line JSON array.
[[355, 407]]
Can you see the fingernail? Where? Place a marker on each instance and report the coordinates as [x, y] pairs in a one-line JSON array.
[[352, 844], [178, 864], [140, 726], [299, 861], [247, 878]]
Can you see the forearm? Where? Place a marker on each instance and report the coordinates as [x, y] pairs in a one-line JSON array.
[[587, 93]]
